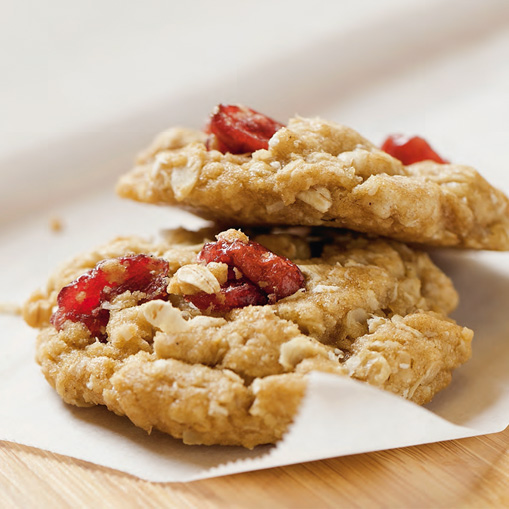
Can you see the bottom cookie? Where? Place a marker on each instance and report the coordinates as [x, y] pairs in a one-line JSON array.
[[213, 344]]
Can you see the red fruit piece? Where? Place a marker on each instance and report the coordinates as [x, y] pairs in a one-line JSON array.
[[410, 150], [234, 294], [239, 129], [277, 276], [83, 299], [266, 277]]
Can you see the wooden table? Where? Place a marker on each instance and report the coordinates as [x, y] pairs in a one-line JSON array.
[[473, 472]]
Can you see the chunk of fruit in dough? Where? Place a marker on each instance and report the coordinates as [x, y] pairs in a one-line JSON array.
[[233, 294], [239, 129], [265, 276], [410, 150], [83, 299], [275, 275]]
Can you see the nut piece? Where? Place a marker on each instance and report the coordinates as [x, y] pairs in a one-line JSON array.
[[219, 271], [318, 197], [195, 278], [232, 235], [164, 316], [185, 172], [297, 349]]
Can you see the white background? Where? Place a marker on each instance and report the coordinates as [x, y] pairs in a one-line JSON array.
[[68, 66]]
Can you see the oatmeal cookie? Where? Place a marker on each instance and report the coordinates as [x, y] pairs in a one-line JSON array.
[[315, 172], [371, 309]]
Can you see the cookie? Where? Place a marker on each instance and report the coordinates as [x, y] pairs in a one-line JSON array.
[[152, 335], [316, 172]]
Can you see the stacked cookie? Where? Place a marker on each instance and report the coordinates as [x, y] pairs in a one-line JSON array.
[[209, 335]]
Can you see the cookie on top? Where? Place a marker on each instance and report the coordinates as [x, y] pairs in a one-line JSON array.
[[247, 169]]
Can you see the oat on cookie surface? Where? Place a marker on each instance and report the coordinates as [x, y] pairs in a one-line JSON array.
[[370, 309], [316, 172]]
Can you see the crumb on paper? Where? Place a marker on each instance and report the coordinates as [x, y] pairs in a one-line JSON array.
[[9, 308], [56, 225]]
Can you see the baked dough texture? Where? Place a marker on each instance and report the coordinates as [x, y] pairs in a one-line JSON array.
[[317, 172], [371, 309]]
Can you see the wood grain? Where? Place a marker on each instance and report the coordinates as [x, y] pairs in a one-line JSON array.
[[472, 472]]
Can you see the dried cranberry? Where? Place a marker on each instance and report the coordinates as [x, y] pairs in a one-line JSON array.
[[265, 276], [83, 299], [410, 150], [234, 294], [275, 275], [239, 129]]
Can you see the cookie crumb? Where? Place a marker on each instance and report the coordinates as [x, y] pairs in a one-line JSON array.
[[55, 224], [9, 308]]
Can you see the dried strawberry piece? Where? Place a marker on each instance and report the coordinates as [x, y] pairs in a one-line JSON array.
[[83, 299], [239, 129], [410, 150]]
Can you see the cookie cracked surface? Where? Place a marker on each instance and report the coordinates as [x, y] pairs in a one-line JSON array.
[[371, 309], [317, 172]]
